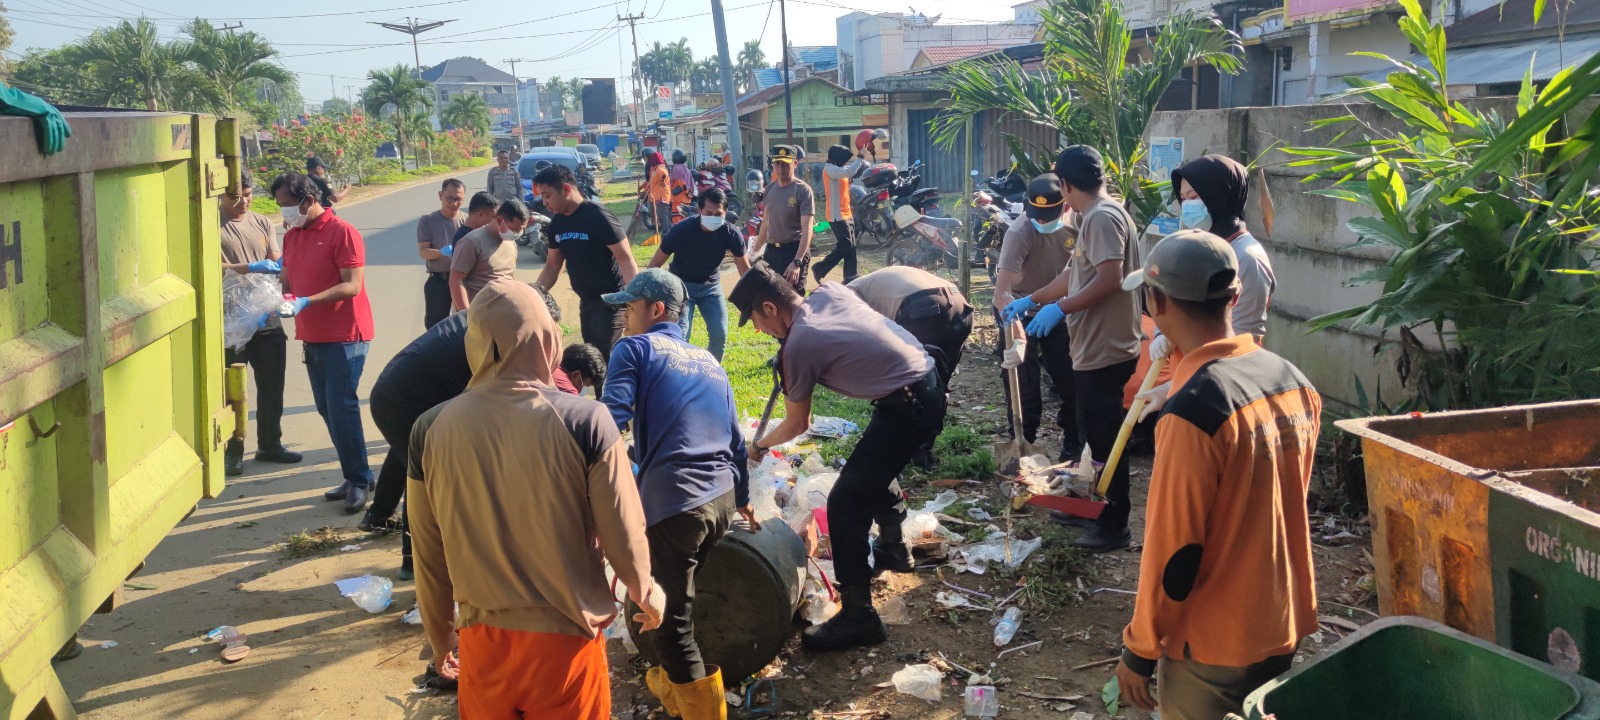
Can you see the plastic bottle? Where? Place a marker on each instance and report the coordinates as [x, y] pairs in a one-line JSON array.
[[1007, 627]]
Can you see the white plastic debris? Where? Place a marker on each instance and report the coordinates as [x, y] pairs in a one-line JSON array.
[[894, 612], [831, 427], [350, 548], [193, 650], [977, 557], [919, 681], [922, 522], [371, 593], [951, 601], [107, 645], [412, 616]]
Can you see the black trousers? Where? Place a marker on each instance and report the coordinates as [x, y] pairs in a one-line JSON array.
[[1050, 354], [436, 299], [600, 324], [679, 546], [867, 490], [1100, 416], [266, 353], [394, 418], [939, 318], [779, 257], [844, 251]]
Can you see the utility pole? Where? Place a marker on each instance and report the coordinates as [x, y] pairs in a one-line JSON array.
[[350, 90], [730, 97], [413, 28], [333, 90], [517, 86], [788, 104], [229, 28], [638, 82]]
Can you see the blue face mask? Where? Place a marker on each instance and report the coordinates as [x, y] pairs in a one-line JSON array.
[[1047, 228], [1194, 215]]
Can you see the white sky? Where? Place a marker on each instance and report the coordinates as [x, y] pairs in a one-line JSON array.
[[583, 41]]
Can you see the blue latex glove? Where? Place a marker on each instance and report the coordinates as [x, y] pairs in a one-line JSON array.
[[447, 250], [262, 323], [48, 124], [1018, 307], [297, 305], [265, 266], [1046, 321]]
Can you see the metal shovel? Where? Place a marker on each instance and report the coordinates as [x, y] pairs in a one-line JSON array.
[[1008, 454]]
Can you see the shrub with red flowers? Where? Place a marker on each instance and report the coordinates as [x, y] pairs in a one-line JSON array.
[[346, 143], [455, 147]]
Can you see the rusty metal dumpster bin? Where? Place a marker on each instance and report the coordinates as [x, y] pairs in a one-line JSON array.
[[112, 410], [1485, 520]]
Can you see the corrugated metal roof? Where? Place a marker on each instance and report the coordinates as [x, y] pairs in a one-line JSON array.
[[767, 77], [819, 57], [1506, 62], [465, 69], [1515, 17], [939, 55]]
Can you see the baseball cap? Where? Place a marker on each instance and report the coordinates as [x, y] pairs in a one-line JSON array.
[[759, 282], [314, 162], [1081, 163], [653, 284], [1044, 201], [784, 153], [1191, 265]]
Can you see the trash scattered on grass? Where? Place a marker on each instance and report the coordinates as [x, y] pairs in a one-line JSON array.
[[1018, 648], [193, 650], [977, 557], [981, 701], [831, 427], [1007, 627], [107, 645], [412, 616], [894, 612], [371, 593], [919, 681], [979, 514], [350, 548], [951, 601]]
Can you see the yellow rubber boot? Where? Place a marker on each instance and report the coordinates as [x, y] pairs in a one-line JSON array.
[[703, 699], [656, 679]]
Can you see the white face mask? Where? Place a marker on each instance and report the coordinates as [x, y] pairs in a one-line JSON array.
[[292, 216], [712, 222]]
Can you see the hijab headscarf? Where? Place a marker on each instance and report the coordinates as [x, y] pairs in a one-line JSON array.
[[1223, 185], [511, 339]]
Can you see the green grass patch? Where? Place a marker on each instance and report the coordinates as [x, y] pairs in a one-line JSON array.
[[430, 170], [265, 205]]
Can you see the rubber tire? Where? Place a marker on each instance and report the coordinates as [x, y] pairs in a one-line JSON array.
[[900, 249]]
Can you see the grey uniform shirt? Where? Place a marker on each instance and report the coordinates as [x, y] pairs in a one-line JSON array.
[[887, 289], [505, 184], [1037, 257], [251, 238], [439, 232], [482, 256], [1108, 332], [785, 205], [839, 342]]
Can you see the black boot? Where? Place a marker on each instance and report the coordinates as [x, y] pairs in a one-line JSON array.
[[856, 624], [233, 459], [891, 556]]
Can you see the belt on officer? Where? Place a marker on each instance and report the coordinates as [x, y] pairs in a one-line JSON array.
[[909, 393]]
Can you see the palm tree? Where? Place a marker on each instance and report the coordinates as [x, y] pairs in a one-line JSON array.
[[399, 87], [229, 60], [751, 59], [131, 66], [706, 76], [467, 111], [418, 126], [668, 64], [1088, 90]]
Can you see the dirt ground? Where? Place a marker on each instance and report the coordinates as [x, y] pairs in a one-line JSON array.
[[315, 655]]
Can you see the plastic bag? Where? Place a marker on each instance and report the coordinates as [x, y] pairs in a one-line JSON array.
[[245, 298], [764, 485], [371, 593], [831, 427], [895, 612], [919, 681], [812, 492], [921, 522], [976, 558]]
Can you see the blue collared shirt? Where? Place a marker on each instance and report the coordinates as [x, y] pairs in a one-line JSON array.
[[686, 433]]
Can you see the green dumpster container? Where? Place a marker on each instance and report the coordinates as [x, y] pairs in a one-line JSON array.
[[112, 410], [1417, 669]]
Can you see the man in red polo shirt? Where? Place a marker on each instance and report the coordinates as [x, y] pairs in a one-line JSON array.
[[324, 273]]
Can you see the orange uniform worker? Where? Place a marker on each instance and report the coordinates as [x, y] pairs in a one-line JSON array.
[[1226, 588], [530, 584]]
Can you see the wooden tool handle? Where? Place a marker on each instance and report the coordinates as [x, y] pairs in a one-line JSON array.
[[1127, 427], [1016, 334]]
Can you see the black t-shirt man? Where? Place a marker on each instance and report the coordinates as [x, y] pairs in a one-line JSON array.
[[697, 252], [324, 191], [585, 238]]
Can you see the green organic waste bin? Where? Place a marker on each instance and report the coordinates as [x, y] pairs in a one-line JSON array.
[[1408, 667]]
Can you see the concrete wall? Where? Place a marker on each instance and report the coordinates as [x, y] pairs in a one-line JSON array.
[[1308, 244]]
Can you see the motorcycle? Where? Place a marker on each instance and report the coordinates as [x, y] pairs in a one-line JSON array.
[[532, 236], [705, 179], [993, 221], [882, 189], [924, 241]]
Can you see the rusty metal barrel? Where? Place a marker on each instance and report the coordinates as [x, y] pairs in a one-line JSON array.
[[745, 599]]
